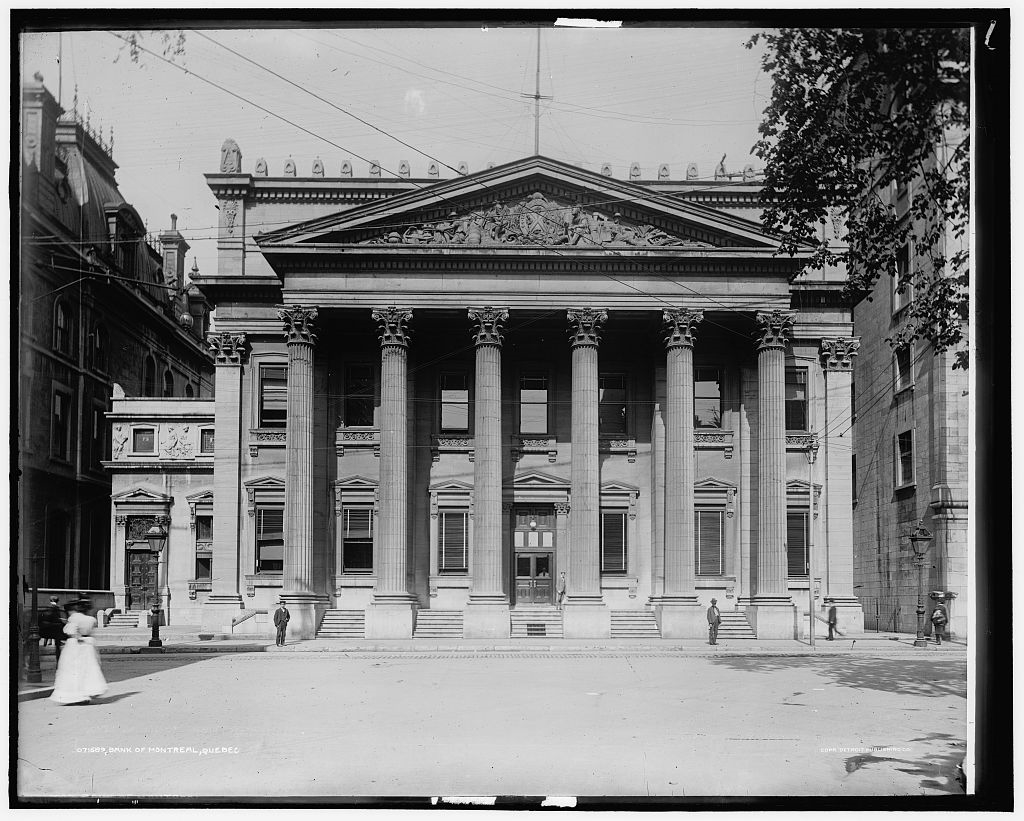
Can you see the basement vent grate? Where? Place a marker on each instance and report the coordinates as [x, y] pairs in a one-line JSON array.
[[536, 629]]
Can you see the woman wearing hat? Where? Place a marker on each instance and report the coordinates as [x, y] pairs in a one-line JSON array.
[[79, 677]]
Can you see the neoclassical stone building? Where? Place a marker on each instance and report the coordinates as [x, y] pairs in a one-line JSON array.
[[436, 396]]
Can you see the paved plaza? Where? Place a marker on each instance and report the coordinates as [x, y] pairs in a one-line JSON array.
[[501, 723]]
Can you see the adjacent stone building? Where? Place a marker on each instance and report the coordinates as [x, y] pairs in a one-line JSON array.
[[97, 305], [436, 396]]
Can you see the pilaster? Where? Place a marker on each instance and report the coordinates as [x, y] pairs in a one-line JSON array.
[[225, 599], [487, 613], [585, 615], [392, 612]]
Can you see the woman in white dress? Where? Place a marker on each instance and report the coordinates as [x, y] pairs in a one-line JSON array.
[[79, 677]]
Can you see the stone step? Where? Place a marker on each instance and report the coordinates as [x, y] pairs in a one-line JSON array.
[[536, 623], [438, 624], [735, 626], [342, 624], [634, 624]]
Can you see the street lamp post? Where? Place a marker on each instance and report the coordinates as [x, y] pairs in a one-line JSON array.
[[920, 538], [34, 674], [157, 538], [812, 454]]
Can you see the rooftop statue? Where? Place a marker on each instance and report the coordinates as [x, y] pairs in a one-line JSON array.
[[230, 158]]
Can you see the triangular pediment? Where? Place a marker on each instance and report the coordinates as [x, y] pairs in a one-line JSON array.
[[534, 202], [450, 485], [356, 483], [141, 496], [619, 487], [799, 486], [199, 498], [265, 483], [713, 483], [538, 479]]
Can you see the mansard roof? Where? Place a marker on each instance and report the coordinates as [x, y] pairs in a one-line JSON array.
[[536, 203]]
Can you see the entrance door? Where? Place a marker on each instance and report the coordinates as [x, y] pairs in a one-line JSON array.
[[533, 538], [142, 580]]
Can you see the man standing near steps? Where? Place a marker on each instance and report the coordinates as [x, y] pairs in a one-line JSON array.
[[281, 619], [714, 619]]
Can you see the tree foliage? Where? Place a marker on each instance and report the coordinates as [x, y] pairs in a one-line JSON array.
[[169, 44], [855, 115]]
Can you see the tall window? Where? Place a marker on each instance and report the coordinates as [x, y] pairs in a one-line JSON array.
[[708, 531], [99, 429], [453, 549], [903, 376], [796, 542], [707, 398], [204, 548], [901, 277], [357, 539], [796, 398], [61, 327], [454, 401], [98, 349], [904, 458], [359, 395], [613, 541], [58, 545], [612, 404], [168, 384], [189, 393], [533, 403], [60, 426], [273, 396], [149, 377], [270, 539]]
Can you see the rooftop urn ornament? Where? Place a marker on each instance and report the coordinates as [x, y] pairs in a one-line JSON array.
[[374, 168], [289, 167], [261, 167], [432, 171], [663, 172], [606, 170], [318, 168], [230, 157], [691, 171], [749, 173], [346, 169], [634, 171], [463, 169], [403, 169]]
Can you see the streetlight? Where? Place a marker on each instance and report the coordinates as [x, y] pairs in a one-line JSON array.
[[157, 538], [919, 540], [812, 454], [34, 675]]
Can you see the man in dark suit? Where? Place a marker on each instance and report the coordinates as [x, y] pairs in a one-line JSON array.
[[51, 625], [281, 619], [714, 619], [832, 619]]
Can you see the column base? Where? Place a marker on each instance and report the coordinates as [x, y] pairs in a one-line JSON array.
[[773, 617], [586, 620], [681, 619], [218, 610], [486, 617], [306, 610], [390, 618]]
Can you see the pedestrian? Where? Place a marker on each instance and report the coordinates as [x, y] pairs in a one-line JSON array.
[[79, 677], [51, 626], [939, 620], [560, 589], [714, 619], [832, 619], [281, 619]]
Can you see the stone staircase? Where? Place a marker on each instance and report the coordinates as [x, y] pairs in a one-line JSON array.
[[437, 624], [629, 624], [129, 620], [536, 622], [342, 624], [735, 626]]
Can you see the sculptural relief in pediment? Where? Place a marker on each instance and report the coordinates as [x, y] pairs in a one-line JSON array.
[[535, 220]]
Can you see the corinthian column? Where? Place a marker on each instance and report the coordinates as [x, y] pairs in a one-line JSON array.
[[837, 514], [772, 606], [487, 614], [585, 615], [392, 612], [225, 600], [678, 613], [298, 477]]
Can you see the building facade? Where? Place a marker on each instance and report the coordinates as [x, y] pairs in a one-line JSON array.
[[97, 305], [436, 396]]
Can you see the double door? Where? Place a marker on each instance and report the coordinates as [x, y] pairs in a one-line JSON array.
[[142, 579], [533, 540]]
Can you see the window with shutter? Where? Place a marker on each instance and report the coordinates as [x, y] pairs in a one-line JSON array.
[[357, 539], [708, 531], [454, 401], [359, 395], [273, 396], [613, 542], [796, 399], [796, 542], [453, 550], [270, 540]]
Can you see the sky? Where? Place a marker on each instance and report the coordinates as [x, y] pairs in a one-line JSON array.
[[671, 95]]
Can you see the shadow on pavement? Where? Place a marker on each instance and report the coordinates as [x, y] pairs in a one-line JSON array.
[[938, 772], [117, 668], [909, 677]]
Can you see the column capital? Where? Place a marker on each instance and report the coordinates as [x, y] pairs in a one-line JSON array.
[[298, 323], [837, 352], [228, 348], [681, 326], [393, 323], [488, 324], [774, 329], [585, 324]]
